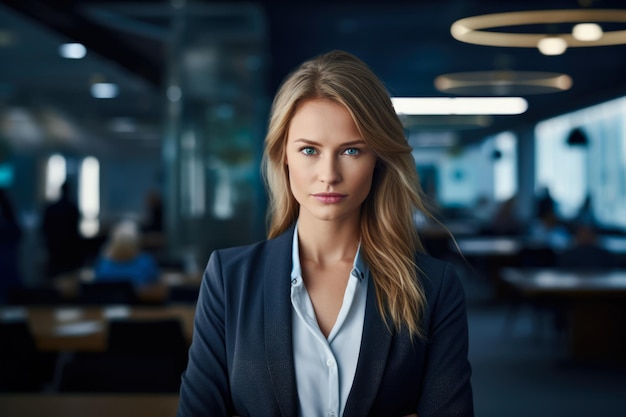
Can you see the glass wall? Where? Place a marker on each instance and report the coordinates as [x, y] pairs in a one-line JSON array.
[[592, 163], [504, 166], [485, 172]]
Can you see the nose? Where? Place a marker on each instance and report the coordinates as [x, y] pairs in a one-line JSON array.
[[329, 170]]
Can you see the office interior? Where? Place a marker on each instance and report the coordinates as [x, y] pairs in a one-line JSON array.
[[154, 112]]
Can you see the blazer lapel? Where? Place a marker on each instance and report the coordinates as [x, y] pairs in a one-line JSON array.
[[277, 307], [375, 345]]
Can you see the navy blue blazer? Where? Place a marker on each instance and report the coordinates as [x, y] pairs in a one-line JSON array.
[[241, 361]]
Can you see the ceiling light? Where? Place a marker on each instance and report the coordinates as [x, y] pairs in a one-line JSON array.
[[577, 138], [502, 83], [104, 90], [173, 93], [479, 29], [459, 105], [552, 45], [587, 32], [72, 50]]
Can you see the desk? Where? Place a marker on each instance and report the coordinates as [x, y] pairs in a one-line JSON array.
[[85, 329], [511, 246], [595, 303], [103, 405], [68, 285], [489, 246], [613, 243], [488, 255], [566, 283]]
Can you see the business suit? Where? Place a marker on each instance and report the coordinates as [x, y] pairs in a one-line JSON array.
[[241, 362]]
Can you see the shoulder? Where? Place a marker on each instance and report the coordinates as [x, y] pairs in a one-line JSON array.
[[240, 255], [430, 265], [439, 279], [255, 254]]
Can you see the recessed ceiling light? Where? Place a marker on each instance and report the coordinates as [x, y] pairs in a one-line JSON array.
[[104, 90], [72, 50], [174, 93]]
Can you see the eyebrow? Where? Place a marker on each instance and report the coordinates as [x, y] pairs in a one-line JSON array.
[[312, 142]]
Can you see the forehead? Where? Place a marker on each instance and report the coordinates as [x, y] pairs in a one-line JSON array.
[[318, 104], [322, 117]]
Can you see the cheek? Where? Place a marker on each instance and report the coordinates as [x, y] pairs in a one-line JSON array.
[[294, 176], [367, 177]]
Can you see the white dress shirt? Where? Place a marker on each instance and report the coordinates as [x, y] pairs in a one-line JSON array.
[[324, 367]]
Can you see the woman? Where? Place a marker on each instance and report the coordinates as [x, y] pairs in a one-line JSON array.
[[123, 258], [338, 313]]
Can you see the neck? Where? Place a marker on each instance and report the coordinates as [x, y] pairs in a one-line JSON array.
[[328, 242]]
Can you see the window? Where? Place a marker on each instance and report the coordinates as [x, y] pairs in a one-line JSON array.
[[89, 196], [55, 176], [504, 166], [597, 168]]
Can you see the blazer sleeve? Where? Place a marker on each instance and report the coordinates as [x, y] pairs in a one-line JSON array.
[[446, 388], [205, 388]]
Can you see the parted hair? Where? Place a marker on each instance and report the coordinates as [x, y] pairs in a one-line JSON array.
[[389, 239]]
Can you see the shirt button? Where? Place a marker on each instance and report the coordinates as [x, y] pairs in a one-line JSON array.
[[330, 362], [331, 414]]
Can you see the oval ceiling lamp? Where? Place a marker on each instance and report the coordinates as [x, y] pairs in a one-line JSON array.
[[479, 29], [503, 82]]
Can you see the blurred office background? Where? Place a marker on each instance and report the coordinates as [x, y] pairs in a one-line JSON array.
[[154, 112]]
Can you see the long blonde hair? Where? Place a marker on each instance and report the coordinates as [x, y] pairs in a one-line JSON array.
[[389, 238]]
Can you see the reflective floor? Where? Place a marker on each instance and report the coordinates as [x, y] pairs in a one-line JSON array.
[[520, 367]]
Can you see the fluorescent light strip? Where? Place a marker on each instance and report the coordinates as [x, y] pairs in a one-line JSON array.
[[459, 105]]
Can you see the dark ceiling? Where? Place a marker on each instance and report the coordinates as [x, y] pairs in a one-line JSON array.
[[407, 43]]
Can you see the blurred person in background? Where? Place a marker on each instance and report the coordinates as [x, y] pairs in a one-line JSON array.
[[154, 212], [586, 252], [549, 231], [505, 220], [124, 259], [585, 215], [60, 228], [153, 236], [10, 236]]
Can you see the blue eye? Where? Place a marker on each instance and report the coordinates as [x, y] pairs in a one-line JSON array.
[[308, 151], [352, 151]]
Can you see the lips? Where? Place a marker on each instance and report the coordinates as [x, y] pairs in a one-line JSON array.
[[329, 198]]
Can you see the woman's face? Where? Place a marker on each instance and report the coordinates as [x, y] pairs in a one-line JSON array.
[[330, 166]]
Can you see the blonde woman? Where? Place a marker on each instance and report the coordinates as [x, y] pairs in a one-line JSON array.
[[339, 312], [123, 258]]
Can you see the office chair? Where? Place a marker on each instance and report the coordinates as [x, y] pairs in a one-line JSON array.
[[184, 294], [23, 367], [108, 292], [34, 296], [146, 356]]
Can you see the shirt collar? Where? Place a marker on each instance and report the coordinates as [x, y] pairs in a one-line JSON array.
[[359, 267]]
